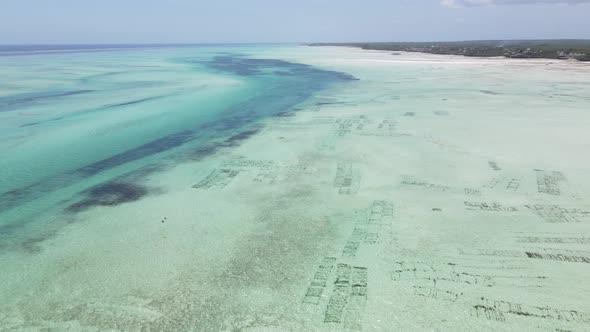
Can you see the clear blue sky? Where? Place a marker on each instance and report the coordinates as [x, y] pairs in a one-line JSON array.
[[199, 21]]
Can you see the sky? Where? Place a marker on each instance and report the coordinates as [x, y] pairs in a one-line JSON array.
[[289, 21]]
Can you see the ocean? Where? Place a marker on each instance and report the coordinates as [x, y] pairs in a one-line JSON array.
[[291, 188]]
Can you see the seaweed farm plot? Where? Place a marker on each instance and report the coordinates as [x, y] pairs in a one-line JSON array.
[[341, 289], [469, 277], [264, 171], [504, 183], [556, 214], [362, 125], [553, 238], [288, 121], [492, 206], [371, 226], [346, 126], [258, 171], [413, 181], [217, 179], [320, 281], [347, 179], [494, 166], [548, 182], [436, 293], [462, 283], [341, 284], [562, 255], [548, 254], [472, 192], [349, 295], [503, 311], [327, 143], [441, 113]]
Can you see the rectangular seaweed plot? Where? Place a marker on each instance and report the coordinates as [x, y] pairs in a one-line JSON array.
[[493, 165], [384, 128], [268, 176], [573, 256], [358, 235], [320, 281], [499, 310], [557, 214], [347, 179], [265, 171], [493, 206], [553, 239], [217, 179], [513, 184], [371, 226], [435, 293], [340, 295], [548, 182], [472, 192], [380, 219], [413, 181], [350, 126], [358, 299], [412, 271]]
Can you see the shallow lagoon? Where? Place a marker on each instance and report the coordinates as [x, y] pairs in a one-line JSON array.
[[208, 189]]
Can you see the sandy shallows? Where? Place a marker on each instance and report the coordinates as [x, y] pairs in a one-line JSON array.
[[435, 193]]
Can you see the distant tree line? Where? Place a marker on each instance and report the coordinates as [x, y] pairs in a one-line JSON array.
[[551, 49]]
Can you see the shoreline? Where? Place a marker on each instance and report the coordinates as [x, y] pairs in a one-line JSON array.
[[401, 51], [452, 59]]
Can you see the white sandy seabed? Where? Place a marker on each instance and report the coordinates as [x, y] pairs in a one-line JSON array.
[[434, 193]]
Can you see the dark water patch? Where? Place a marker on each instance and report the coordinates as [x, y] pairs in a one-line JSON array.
[[148, 149], [24, 240], [39, 122], [204, 151], [109, 194], [409, 113], [32, 245], [132, 102], [243, 136], [213, 147], [107, 77], [8, 103], [329, 103], [142, 173], [10, 228], [286, 114], [90, 78], [122, 189], [233, 65], [488, 92], [283, 73], [244, 66]]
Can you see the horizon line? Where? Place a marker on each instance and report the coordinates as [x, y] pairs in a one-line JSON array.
[[284, 43]]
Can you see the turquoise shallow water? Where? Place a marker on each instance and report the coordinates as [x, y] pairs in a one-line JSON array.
[[92, 124], [222, 189]]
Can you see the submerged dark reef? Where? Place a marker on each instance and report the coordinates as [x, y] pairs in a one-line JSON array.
[[244, 66], [109, 194], [9, 103]]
